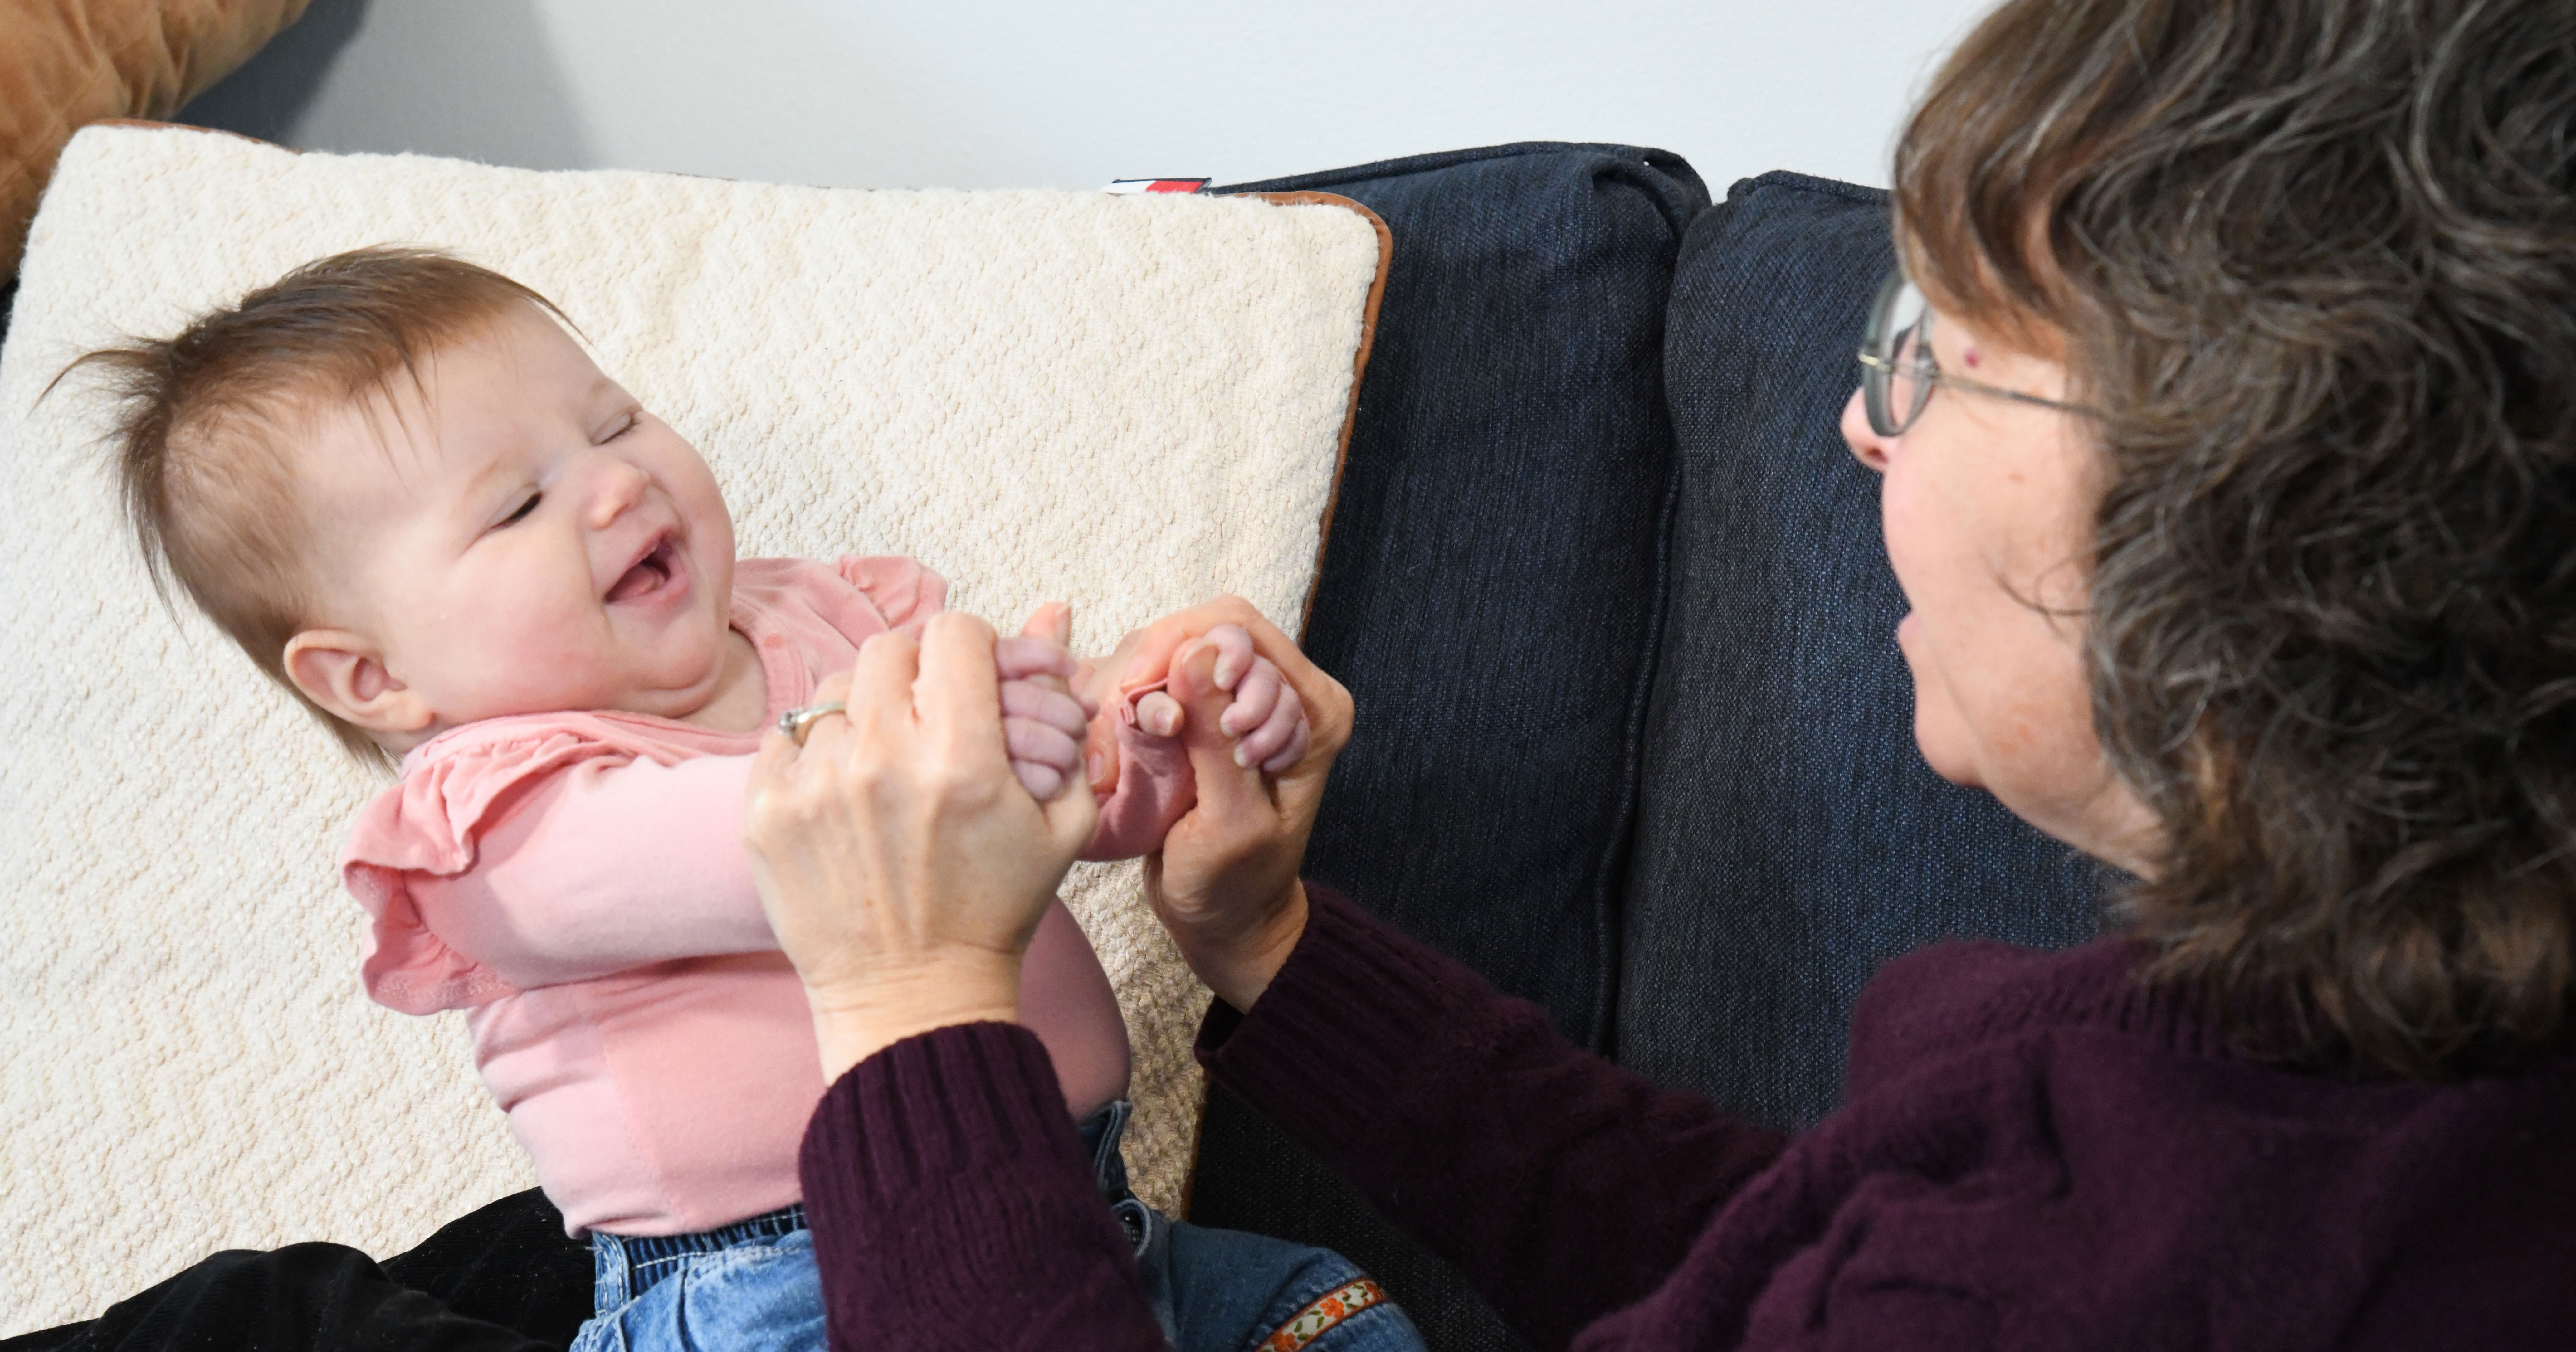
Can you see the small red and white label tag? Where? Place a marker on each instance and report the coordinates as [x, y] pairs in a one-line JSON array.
[[1135, 185]]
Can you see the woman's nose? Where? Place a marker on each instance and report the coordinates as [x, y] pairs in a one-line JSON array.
[[1865, 442], [618, 487]]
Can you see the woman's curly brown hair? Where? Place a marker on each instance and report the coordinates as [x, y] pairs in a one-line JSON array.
[[2315, 261]]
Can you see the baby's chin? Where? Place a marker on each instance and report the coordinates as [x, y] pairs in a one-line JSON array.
[[672, 661], [660, 693], [676, 700]]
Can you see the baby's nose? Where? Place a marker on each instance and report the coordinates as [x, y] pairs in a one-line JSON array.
[[620, 487]]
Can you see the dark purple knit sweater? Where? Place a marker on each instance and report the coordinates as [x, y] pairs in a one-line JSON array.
[[2036, 1153]]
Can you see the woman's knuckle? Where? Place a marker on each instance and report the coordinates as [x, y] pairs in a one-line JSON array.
[[868, 777]]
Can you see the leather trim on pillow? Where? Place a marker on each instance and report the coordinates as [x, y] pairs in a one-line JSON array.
[[1359, 367]]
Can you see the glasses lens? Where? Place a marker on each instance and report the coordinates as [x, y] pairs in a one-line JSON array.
[[1895, 386]]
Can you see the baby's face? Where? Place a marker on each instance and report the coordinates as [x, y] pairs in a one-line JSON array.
[[519, 536]]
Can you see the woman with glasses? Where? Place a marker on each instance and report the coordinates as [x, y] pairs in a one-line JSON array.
[[2228, 426]]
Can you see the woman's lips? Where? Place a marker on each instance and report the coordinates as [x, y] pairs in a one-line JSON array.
[[652, 573]]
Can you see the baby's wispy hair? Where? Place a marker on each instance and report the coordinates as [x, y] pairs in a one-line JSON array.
[[207, 422]]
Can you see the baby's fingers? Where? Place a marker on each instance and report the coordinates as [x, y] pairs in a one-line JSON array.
[[1035, 702], [1026, 655], [1255, 695], [1039, 744], [1233, 654], [1041, 781], [1283, 732], [1300, 736]]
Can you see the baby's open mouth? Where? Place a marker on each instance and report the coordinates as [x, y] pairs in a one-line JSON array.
[[649, 574]]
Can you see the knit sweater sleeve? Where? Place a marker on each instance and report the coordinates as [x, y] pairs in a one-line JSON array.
[[951, 1208], [1563, 1186]]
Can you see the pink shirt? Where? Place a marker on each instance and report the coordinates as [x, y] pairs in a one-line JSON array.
[[577, 884]]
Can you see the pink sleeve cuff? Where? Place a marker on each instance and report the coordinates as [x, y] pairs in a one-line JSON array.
[[903, 591], [1155, 787]]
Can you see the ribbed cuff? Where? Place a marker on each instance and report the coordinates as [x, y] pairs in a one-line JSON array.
[[1346, 1025], [957, 1101], [949, 1200]]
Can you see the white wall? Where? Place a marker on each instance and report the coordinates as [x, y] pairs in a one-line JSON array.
[[1016, 93]]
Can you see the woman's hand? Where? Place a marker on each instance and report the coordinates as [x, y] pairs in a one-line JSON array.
[[1225, 883], [1266, 718], [902, 865]]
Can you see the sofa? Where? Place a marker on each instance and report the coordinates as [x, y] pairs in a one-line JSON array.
[[1633, 735]]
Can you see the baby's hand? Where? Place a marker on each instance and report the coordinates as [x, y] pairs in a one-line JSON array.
[[1267, 723], [1042, 718], [1141, 757]]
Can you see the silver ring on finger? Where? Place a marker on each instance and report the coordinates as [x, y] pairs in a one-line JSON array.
[[797, 722]]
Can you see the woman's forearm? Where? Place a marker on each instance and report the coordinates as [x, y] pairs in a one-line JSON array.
[[855, 1022], [1563, 1186], [904, 869], [1242, 966]]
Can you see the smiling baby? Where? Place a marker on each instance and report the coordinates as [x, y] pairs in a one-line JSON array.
[[400, 484]]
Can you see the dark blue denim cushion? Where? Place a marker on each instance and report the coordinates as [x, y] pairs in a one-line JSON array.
[[1490, 585], [1791, 838], [1489, 595]]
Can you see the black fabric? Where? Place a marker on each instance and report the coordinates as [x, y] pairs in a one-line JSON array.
[[502, 1279], [1792, 838], [1489, 594], [509, 1263]]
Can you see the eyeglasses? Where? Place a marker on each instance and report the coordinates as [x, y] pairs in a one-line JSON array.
[[1898, 373]]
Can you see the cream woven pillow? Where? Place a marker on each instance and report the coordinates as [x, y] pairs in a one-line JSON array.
[[1130, 402]]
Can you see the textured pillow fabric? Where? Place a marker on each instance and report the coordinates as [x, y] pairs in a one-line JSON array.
[[1127, 402], [1791, 838], [67, 63], [1490, 596]]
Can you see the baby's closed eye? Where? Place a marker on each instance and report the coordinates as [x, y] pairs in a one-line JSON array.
[[522, 511]]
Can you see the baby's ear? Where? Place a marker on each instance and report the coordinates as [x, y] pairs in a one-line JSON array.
[[345, 674]]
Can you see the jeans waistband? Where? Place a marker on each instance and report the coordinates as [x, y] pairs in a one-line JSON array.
[[639, 1262], [629, 1265]]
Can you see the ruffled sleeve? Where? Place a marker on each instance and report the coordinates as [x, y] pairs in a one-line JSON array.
[[903, 591], [453, 790]]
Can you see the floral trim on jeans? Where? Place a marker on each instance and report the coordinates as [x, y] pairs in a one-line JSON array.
[[1329, 1309]]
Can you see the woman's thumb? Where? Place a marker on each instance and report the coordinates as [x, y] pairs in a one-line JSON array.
[[1052, 621], [1225, 789]]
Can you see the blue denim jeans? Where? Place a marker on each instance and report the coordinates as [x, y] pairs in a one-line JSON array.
[[753, 1284], [1228, 1291]]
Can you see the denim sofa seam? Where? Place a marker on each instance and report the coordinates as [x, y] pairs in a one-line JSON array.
[[1792, 180], [1676, 208]]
